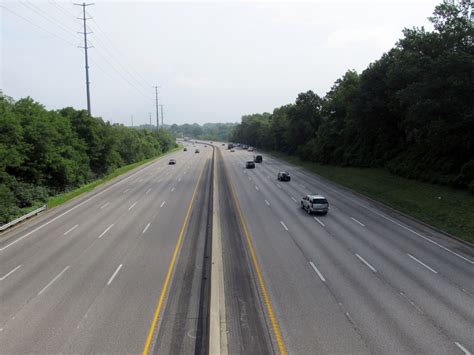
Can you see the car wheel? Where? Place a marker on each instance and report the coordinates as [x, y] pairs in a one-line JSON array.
[[325, 213], [302, 206], [308, 210]]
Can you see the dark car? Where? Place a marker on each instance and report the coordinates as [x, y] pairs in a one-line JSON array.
[[196, 151], [257, 158], [185, 149], [284, 176], [172, 162], [250, 164]]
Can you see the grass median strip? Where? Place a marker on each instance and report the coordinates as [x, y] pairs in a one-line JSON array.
[[442, 207], [62, 198]]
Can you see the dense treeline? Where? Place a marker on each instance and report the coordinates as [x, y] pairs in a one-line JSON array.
[[43, 153], [208, 131], [411, 111]]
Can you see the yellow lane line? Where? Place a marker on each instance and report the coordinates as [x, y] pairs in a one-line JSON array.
[[273, 320], [171, 268]]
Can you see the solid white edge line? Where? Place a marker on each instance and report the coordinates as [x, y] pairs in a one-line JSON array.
[[162, 204], [268, 203], [422, 263], [404, 227], [466, 352], [106, 230], [11, 272], [104, 205], [132, 206], [114, 274], [317, 272], [355, 220], [70, 230], [366, 263], [73, 208], [284, 225], [53, 280], [146, 228], [317, 220]]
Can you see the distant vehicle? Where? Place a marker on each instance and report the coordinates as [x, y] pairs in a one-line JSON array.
[[230, 146], [250, 164], [185, 149], [205, 145], [223, 144], [245, 147], [232, 150], [250, 149], [196, 151], [211, 142], [315, 203], [257, 158], [284, 176], [172, 162]]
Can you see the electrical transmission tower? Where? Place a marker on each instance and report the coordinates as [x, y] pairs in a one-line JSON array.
[[156, 103], [85, 33], [162, 124]]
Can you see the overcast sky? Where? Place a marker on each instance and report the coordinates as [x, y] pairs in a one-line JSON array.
[[214, 61]]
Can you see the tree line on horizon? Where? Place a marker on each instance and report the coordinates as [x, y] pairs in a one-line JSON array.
[[207, 131], [411, 111], [47, 152]]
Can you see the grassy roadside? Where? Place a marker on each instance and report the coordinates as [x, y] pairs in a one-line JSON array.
[[445, 208], [62, 198]]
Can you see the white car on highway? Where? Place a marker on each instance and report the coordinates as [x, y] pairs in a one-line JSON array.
[[315, 203]]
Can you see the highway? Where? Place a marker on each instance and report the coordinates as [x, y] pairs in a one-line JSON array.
[[88, 277], [126, 268], [362, 279]]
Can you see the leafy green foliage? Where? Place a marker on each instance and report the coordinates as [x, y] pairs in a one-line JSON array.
[[411, 111], [44, 153], [208, 131]]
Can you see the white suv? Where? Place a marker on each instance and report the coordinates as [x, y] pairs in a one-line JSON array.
[[315, 203]]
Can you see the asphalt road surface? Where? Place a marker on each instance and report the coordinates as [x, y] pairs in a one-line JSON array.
[[125, 268], [87, 277], [362, 279]]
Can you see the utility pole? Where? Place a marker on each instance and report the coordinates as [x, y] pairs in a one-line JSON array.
[[151, 127], [156, 103], [84, 19], [162, 125]]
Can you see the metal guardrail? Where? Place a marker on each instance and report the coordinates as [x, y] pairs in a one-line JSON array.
[[22, 218]]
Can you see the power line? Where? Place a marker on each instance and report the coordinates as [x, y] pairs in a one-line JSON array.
[[62, 9], [38, 26], [113, 57], [41, 13], [156, 103], [120, 74], [147, 84], [162, 124], [86, 59]]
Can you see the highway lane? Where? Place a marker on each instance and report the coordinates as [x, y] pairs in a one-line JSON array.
[[366, 282], [89, 281]]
